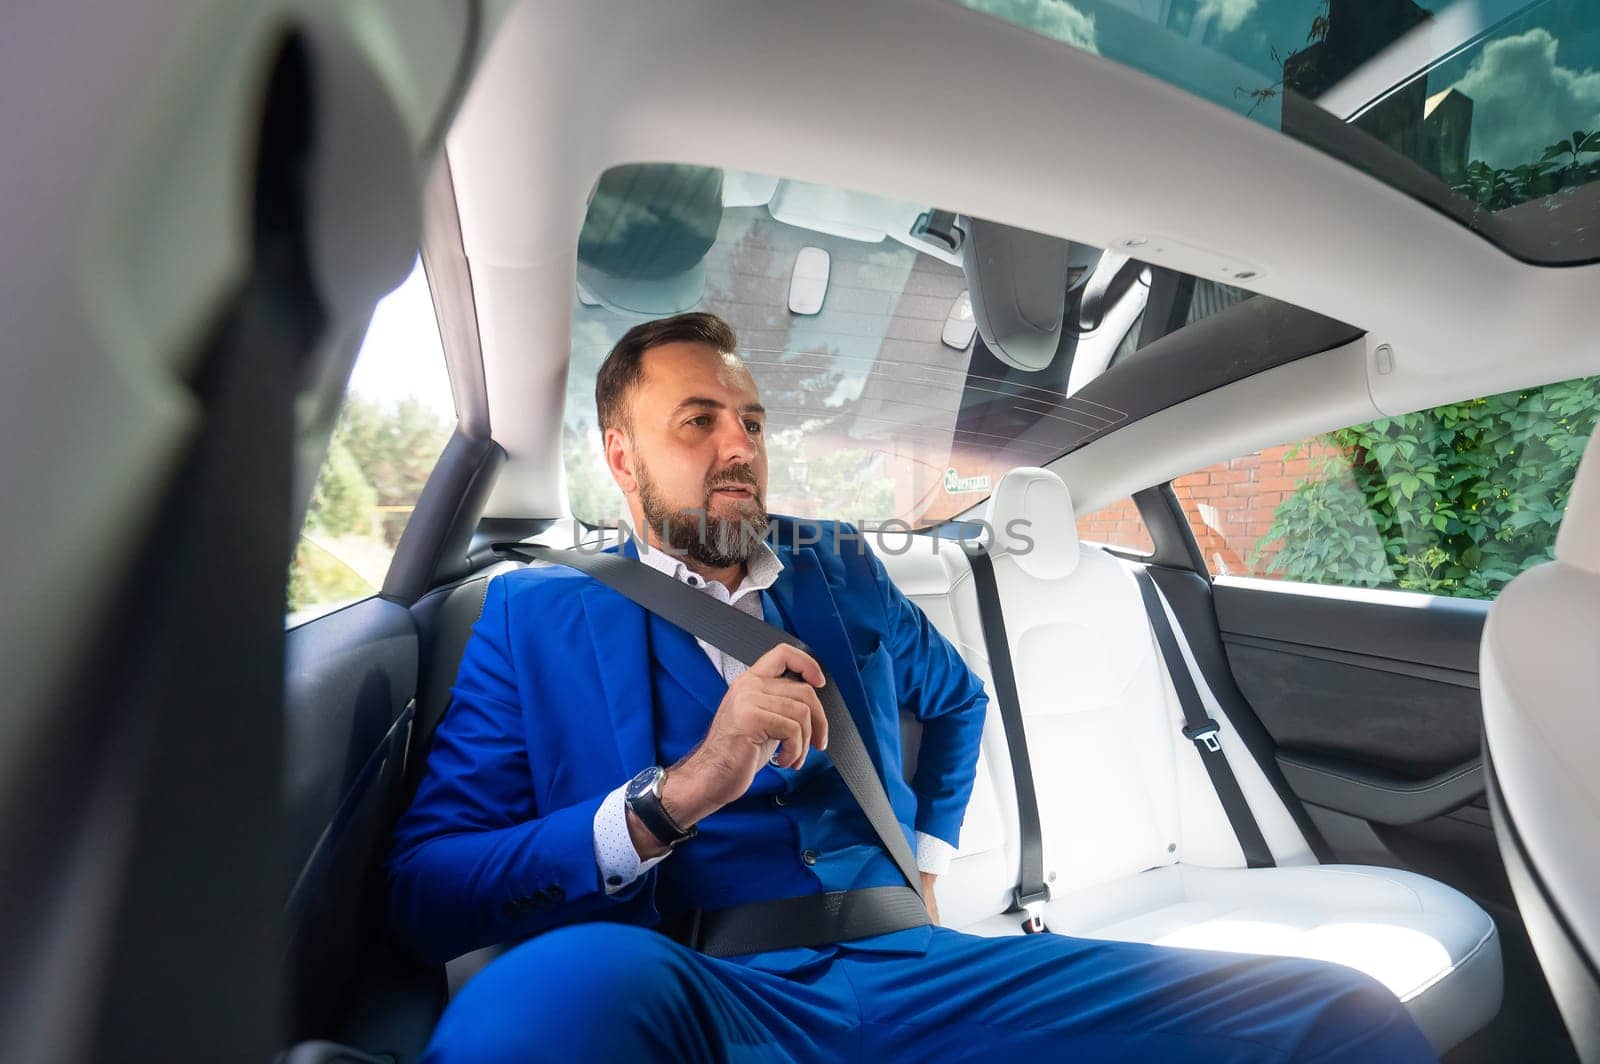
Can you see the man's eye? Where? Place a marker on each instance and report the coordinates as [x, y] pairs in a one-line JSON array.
[[699, 420], [753, 427]]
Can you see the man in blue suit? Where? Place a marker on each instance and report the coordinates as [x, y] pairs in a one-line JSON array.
[[601, 774]]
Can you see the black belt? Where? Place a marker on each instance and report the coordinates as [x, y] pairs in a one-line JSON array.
[[808, 920]]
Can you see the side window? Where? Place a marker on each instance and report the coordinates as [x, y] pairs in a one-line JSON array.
[[397, 416], [1118, 525], [1452, 501]]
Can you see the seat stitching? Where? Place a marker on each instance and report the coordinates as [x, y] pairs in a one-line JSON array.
[[1453, 967], [1415, 897]]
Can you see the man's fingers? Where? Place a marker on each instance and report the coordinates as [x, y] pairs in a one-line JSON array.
[[785, 658], [791, 743], [806, 694], [795, 710]]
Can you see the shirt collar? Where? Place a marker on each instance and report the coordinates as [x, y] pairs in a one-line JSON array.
[[762, 568]]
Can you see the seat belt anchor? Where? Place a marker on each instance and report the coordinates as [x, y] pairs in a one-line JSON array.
[[1032, 906], [1205, 733]]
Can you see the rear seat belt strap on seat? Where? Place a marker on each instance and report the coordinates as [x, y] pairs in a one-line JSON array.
[[781, 923], [1032, 892], [1201, 730]]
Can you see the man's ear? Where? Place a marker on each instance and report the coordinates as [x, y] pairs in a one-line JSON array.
[[619, 459]]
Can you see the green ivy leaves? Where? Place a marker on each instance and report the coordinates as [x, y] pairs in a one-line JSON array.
[[1452, 501]]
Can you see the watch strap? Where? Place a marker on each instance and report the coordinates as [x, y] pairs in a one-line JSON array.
[[654, 816]]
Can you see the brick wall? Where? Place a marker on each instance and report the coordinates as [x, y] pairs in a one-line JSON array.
[[1229, 507], [1119, 526]]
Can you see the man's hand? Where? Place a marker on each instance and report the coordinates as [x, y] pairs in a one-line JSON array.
[[766, 715], [928, 879]]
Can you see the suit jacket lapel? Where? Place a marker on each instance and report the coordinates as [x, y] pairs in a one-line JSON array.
[[679, 653], [802, 594], [615, 623]]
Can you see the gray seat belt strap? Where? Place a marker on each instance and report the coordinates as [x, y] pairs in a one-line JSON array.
[[1202, 730], [745, 638]]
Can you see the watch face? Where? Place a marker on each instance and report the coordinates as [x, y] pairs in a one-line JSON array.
[[641, 784]]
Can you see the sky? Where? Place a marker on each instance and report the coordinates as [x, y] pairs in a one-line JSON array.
[[401, 355]]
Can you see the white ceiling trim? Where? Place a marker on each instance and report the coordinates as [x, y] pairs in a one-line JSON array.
[[1052, 138]]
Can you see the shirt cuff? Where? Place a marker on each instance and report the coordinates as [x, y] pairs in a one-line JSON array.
[[614, 853], [933, 854]]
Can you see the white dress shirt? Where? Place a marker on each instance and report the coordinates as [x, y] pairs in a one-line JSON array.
[[614, 853]]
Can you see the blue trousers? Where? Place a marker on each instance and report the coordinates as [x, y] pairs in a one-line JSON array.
[[611, 992]]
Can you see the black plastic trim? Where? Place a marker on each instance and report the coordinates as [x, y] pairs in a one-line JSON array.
[[1375, 796], [492, 530], [1163, 516], [436, 542], [1249, 337], [1166, 308]]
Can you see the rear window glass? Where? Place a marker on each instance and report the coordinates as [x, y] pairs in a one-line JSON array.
[[1119, 526], [908, 356]]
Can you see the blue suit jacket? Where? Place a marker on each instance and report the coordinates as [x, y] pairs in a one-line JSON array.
[[553, 710]]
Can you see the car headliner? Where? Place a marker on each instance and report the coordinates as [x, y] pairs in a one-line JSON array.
[[864, 96]]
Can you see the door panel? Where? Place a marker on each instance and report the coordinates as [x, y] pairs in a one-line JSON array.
[[1389, 683], [349, 704], [1371, 700]]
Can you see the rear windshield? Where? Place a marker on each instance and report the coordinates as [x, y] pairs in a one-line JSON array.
[[1488, 110], [907, 356]]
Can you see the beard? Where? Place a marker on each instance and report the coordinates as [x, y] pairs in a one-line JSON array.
[[715, 542]]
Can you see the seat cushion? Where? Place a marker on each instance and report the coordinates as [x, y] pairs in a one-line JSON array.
[[1431, 945], [1133, 832]]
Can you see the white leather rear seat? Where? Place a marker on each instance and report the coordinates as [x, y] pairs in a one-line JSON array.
[[1136, 845]]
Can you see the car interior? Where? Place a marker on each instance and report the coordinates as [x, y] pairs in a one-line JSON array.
[[1253, 344]]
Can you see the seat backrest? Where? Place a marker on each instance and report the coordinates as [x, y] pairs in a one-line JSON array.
[[934, 574], [1539, 673], [1120, 791], [444, 618]]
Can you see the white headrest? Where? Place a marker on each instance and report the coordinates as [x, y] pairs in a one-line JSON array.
[[1031, 518], [1578, 542]]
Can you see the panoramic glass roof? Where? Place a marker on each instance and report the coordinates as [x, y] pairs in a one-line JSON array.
[[907, 356], [1488, 110]]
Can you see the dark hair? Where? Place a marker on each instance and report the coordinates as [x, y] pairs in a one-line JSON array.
[[624, 366]]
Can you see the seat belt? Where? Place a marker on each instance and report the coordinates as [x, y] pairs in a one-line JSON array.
[[783, 923], [1202, 730], [1032, 891]]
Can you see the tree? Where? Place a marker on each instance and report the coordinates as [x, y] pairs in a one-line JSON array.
[[1495, 189], [395, 448], [379, 456], [1456, 500], [594, 496], [343, 502]]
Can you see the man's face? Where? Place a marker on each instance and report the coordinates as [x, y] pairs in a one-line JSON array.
[[694, 464]]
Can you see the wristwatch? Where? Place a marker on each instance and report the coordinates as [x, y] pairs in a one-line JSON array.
[[643, 796]]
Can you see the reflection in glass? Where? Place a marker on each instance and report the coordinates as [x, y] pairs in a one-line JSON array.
[[1477, 107], [904, 372]]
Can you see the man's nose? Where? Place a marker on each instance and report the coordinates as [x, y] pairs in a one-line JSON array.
[[735, 442]]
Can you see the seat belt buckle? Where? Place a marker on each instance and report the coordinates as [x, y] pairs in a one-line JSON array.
[[1032, 906], [1205, 733]]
